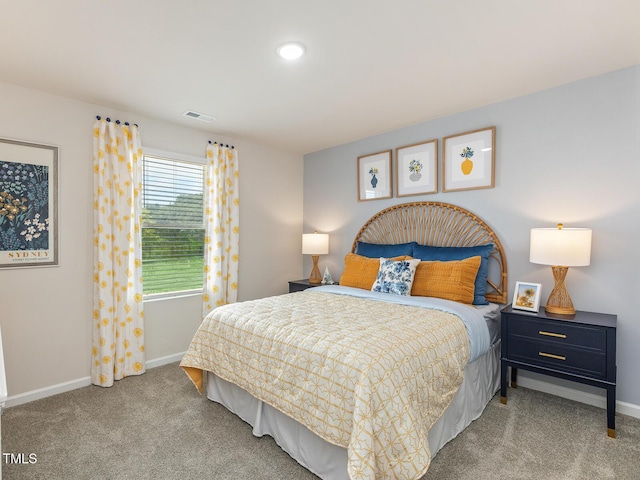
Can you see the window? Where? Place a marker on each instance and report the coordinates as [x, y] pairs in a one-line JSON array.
[[172, 225]]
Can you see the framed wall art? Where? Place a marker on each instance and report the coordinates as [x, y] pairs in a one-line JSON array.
[[28, 204], [527, 296], [417, 169], [374, 176], [468, 160]]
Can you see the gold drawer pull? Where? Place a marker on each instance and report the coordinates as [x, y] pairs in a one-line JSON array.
[[550, 334], [551, 355]]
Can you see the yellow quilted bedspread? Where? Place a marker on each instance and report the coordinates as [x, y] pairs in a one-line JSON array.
[[363, 374]]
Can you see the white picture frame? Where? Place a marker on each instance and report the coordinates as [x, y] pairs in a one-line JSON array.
[[526, 296]]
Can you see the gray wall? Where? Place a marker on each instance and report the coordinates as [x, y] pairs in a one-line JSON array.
[[570, 154]]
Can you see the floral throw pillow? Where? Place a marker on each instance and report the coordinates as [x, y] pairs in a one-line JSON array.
[[395, 276]]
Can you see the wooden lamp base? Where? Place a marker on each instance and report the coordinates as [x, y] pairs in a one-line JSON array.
[[559, 301], [315, 276]]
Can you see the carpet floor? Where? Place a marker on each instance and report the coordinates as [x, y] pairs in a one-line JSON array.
[[156, 426]]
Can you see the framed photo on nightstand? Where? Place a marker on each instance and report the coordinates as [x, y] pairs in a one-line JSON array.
[[527, 296]]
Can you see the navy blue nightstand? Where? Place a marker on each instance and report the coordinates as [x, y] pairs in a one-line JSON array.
[[579, 347]]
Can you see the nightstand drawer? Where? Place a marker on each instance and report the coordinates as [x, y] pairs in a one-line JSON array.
[[558, 357], [562, 333]]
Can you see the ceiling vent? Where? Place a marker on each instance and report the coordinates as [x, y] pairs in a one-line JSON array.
[[199, 116]]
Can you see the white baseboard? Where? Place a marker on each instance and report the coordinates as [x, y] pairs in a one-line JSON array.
[[158, 362], [13, 400], [564, 392], [582, 397]]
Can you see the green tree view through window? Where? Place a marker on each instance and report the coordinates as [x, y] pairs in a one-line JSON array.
[[172, 225]]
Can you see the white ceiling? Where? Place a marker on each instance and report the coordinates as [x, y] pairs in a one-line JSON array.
[[371, 66]]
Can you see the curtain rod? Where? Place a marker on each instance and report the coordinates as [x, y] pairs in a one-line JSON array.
[[98, 117], [222, 145]]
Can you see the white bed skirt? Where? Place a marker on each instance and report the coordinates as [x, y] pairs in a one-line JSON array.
[[328, 461]]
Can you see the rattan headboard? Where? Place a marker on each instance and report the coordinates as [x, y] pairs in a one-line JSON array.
[[440, 225]]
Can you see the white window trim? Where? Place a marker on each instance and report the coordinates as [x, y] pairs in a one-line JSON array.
[[165, 154], [153, 297]]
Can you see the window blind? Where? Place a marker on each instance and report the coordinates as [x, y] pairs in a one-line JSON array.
[[172, 225]]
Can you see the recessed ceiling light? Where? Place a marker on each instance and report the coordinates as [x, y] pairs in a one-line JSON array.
[[291, 50]]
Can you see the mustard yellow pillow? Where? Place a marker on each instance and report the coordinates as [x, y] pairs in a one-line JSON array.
[[452, 280], [361, 272]]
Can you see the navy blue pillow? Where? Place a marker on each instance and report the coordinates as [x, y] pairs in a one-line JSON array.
[[425, 252], [375, 250]]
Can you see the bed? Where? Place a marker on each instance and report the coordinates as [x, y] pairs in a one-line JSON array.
[[369, 378]]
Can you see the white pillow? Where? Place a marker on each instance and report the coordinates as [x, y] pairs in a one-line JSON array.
[[395, 276]]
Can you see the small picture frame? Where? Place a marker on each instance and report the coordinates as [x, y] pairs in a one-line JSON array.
[[526, 296], [374, 176], [417, 169], [468, 160]]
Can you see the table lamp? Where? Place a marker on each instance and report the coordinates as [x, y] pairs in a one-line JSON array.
[[315, 244], [561, 248]]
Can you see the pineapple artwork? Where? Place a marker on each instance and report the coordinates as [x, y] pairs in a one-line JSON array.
[[468, 161], [467, 165]]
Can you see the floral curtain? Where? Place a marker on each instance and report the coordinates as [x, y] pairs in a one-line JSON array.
[[118, 332], [222, 227]]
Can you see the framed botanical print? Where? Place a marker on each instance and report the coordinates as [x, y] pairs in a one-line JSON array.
[[28, 204], [374, 176], [468, 160], [417, 169]]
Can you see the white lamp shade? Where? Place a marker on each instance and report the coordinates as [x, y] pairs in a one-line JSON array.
[[566, 247], [315, 244]]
